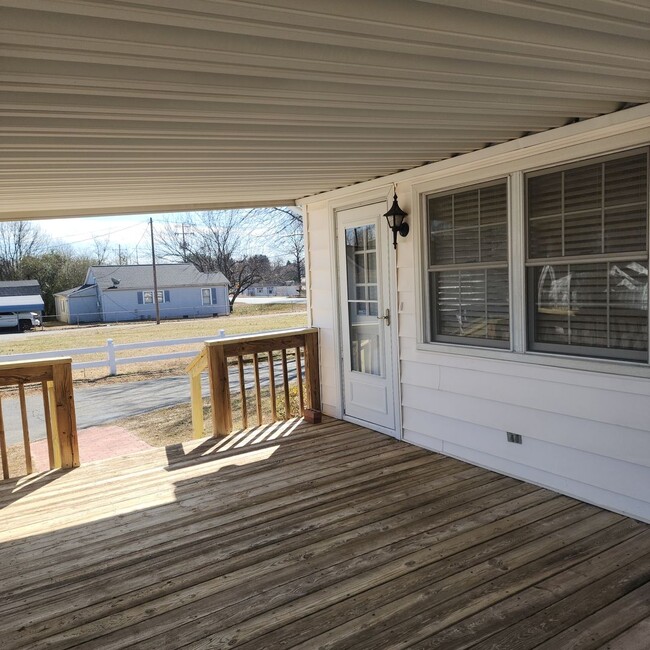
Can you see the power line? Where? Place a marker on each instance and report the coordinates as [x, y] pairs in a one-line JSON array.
[[101, 234]]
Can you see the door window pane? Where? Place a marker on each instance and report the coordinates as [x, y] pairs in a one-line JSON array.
[[363, 300]]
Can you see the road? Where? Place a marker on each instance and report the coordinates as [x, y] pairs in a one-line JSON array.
[[104, 404]]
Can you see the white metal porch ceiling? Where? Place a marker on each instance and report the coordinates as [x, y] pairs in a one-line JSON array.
[[157, 105]]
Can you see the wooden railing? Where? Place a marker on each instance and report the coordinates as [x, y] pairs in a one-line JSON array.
[[280, 351], [54, 378]]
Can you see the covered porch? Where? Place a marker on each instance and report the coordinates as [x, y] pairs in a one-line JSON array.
[[333, 535], [312, 536]]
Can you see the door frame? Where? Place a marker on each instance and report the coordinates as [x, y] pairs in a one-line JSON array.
[[382, 195]]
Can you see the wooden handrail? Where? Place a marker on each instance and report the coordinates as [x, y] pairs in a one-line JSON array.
[[55, 378], [300, 344]]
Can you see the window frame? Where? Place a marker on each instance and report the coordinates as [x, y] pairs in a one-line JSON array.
[[515, 169], [582, 351], [161, 296], [203, 303], [431, 335]]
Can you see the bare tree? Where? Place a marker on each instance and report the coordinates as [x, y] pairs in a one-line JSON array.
[[294, 245], [215, 241], [100, 251], [286, 225], [19, 240]]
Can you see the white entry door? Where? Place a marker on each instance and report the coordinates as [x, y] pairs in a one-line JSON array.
[[367, 317]]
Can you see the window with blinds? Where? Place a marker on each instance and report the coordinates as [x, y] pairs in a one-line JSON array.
[[587, 258], [468, 265]]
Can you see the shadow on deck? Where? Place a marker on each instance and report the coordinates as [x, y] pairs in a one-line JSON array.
[[326, 536]]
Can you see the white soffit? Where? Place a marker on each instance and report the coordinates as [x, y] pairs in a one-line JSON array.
[[162, 105]]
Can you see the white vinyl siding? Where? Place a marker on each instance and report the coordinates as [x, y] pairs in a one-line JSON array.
[[584, 421]]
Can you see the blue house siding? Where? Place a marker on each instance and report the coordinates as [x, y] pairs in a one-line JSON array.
[[184, 302], [79, 306], [84, 307]]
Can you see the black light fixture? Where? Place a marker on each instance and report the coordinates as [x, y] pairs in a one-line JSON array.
[[395, 217]]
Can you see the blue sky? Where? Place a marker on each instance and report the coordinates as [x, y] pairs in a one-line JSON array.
[[130, 232]]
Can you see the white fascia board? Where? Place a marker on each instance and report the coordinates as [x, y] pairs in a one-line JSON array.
[[625, 121]]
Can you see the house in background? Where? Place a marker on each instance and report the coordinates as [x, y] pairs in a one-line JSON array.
[[265, 290], [22, 297], [125, 293]]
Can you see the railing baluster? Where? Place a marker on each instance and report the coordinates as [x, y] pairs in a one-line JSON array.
[[258, 389], [48, 424], [23, 416], [274, 407], [285, 380], [55, 379], [3, 446], [56, 446], [242, 388], [299, 377], [302, 343]]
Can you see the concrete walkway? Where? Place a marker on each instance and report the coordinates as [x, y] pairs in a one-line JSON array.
[[95, 443]]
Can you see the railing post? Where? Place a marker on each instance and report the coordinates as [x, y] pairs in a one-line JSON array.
[[112, 363], [219, 391], [66, 421], [55, 444], [198, 426], [312, 371], [4, 459]]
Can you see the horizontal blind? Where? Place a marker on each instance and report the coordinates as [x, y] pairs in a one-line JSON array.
[[468, 267], [595, 216], [589, 210]]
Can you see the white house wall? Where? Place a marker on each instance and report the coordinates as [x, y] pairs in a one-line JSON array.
[[322, 292], [585, 427]]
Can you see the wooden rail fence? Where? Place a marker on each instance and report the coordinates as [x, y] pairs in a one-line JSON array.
[[54, 378], [300, 346]]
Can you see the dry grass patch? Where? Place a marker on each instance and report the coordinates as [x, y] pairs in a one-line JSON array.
[[246, 319], [173, 425]]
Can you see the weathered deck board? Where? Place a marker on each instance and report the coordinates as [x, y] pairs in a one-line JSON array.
[[326, 536]]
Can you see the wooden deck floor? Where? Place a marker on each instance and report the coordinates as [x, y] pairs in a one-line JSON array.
[[325, 536]]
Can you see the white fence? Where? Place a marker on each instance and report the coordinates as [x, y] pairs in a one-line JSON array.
[[110, 351]]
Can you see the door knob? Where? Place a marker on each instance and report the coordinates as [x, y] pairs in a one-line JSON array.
[[385, 317]]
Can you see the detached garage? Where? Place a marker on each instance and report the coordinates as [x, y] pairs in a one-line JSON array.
[[21, 296]]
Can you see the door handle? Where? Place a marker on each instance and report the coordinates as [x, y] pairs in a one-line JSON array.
[[385, 317]]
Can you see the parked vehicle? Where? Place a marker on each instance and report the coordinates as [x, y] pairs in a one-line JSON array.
[[19, 321]]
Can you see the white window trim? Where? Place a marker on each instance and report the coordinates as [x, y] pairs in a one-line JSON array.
[[203, 303], [160, 300], [515, 170], [427, 297]]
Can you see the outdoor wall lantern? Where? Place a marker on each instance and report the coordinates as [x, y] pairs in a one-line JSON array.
[[395, 217]]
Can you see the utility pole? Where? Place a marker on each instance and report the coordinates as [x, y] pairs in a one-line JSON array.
[[183, 241], [155, 277]]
